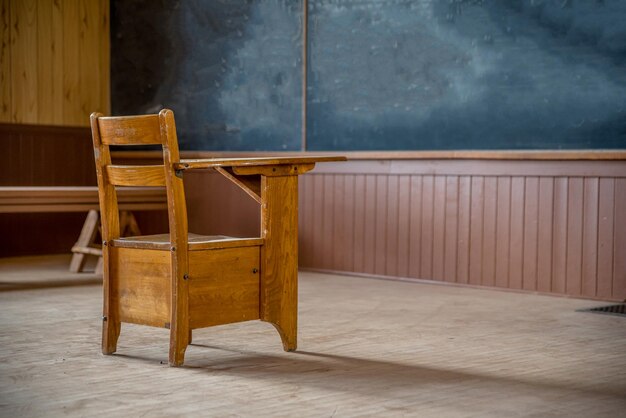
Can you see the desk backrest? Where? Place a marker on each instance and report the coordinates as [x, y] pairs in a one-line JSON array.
[[138, 130]]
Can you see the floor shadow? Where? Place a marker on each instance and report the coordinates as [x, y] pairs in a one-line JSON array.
[[367, 376]]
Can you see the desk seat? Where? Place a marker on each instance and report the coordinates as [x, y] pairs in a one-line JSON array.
[[196, 242]]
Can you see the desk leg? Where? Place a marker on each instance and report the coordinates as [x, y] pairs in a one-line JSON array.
[[279, 256]]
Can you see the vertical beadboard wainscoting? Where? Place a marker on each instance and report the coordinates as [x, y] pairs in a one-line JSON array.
[[541, 226]]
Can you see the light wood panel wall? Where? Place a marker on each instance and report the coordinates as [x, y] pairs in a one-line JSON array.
[[553, 227], [54, 61]]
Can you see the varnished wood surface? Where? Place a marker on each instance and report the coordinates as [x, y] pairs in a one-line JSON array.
[[75, 199], [193, 164], [528, 155], [195, 242], [367, 348], [54, 60]]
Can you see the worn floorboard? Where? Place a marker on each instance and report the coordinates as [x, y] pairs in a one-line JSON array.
[[366, 348]]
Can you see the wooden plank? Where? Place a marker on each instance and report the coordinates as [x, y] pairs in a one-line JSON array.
[[489, 231], [464, 230], [619, 241], [338, 234], [380, 224], [223, 286], [360, 226], [249, 184], [559, 255], [318, 219], [328, 229], [136, 130], [197, 164], [573, 284], [71, 63], [89, 53], [404, 225], [24, 83], [57, 64], [349, 222], [45, 61], [503, 231], [544, 237], [391, 246], [415, 238], [135, 175], [439, 223], [426, 245], [140, 286], [476, 230], [590, 237], [104, 36], [531, 223], [606, 220], [369, 251], [273, 169], [516, 248], [5, 61], [451, 216]]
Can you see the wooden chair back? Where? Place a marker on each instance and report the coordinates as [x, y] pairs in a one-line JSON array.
[[131, 131]]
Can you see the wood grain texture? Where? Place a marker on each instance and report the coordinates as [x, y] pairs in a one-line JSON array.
[[533, 232], [5, 61], [54, 58], [223, 286], [135, 175], [140, 286], [279, 256]]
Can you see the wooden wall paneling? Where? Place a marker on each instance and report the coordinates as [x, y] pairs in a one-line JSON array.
[[573, 284], [463, 250], [318, 218], [531, 223], [439, 227], [45, 62], [105, 57], [393, 206], [348, 220], [516, 245], [415, 226], [369, 250], [619, 241], [303, 227], [339, 235], [380, 225], [5, 61], [476, 230], [544, 234], [71, 63], [24, 83], [89, 47], [503, 229], [606, 223], [360, 209], [451, 216], [490, 212], [404, 225], [590, 237], [329, 226], [427, 236], [559, 257], [57, 62]]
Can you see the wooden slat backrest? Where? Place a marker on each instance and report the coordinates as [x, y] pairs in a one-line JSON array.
[[138, 130]]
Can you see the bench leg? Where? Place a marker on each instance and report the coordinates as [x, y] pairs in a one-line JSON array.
[[86, 237], [111, 325]]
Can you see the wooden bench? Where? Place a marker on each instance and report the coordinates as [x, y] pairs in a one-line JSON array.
[[82, 199]]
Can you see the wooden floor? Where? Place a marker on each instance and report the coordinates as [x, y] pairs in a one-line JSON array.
[[366, 348]]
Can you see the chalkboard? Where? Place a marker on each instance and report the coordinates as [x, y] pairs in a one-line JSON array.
[[230, 69], [382, 74], [466, 74]]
